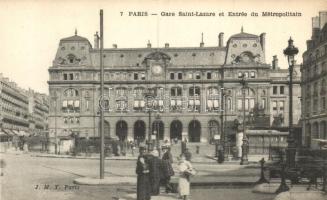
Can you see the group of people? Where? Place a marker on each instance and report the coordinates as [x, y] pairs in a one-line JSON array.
[[153, 172]]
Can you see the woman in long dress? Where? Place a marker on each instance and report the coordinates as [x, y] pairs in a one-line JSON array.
[[185, 170], [143, 176]]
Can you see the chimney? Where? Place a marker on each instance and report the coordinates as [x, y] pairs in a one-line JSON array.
[[166, 45], [322, 19], [149, 44], [202, 43], [114, 46], [263, 44], [221, 39], [96, 40], [275, 63]]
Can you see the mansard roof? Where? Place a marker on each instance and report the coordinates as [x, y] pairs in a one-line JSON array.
[[244, 35]]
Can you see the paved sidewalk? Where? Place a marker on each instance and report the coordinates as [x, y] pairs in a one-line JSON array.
[[300, 192], [160, 197]]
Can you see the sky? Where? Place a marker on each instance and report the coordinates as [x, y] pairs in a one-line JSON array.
[[31, 29]]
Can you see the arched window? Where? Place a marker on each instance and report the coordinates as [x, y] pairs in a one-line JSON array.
[[176, 92], [194, 103], [212, 99], [71, 102], [249, 99]]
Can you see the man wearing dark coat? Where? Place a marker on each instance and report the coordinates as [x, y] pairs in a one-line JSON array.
[[167, 169], [143, 176], [155, 172]]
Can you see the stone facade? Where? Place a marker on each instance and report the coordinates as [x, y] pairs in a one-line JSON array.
[[187, 83], [314, 88]]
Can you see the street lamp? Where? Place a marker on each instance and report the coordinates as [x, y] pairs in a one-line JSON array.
[[290, 52], [149, 97], [157, 131], [244, 158]]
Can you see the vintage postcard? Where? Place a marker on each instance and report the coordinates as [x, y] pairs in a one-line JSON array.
[[163, 100]]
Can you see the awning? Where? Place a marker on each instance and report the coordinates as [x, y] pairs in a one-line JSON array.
[[215, 103], [64, 104], [70, 102], [23, 133], [179, 103], [172, 102], [15, 132], [142, 104], [76, 104], [160, 102], [191, 102], [2, 133], [136, 104], [197, 102], [209, 103], [8, 132]]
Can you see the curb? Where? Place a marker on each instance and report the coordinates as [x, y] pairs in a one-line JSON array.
[[106, 181], [88, 158]]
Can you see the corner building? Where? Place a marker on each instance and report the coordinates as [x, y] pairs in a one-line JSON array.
[[314, 85], [187, 83]]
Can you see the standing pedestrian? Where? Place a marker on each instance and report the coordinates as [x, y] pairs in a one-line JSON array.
[[167, 169], [155, 172], [188, 154], [185, 171], [143, 176]]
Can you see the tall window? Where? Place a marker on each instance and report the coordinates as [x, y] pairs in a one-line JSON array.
[[209, 75], [136, 76], [176, 91], [180, 76], [281, 89], [71, 102], [212, 99], [198, 75], [194, 103], [252, 74], [274, 105], [172, 76], [274, 89]]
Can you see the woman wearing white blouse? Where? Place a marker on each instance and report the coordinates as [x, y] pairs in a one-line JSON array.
[[185, 170]]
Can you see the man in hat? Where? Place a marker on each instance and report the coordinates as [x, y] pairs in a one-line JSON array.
[[167, 169], [155, 164], [143, 175]]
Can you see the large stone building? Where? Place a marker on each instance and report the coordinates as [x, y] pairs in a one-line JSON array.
[[314, 88], [186, 81], [23, 112]]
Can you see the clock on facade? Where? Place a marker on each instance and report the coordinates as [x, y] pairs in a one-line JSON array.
[[156, 70]]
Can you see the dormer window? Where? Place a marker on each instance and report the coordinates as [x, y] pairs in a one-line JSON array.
[[71, 58]]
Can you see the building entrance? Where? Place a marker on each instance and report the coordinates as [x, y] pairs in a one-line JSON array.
[[121, 130], [194, 131], [176, 128], [139, 130]]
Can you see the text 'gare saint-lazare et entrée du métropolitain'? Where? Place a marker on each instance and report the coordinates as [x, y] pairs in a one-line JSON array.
[[212, 14]]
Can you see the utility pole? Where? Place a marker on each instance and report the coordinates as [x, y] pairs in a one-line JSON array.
[[101, 96]]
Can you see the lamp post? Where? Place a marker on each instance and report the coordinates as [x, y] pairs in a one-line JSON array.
[[157, 131], [223, 135], [290, 52], [149, 97], [244, 158]]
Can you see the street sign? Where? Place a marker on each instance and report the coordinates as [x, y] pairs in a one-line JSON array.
[[216, 137]]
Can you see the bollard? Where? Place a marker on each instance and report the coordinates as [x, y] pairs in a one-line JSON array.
[[282, 187], [262, 176]]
